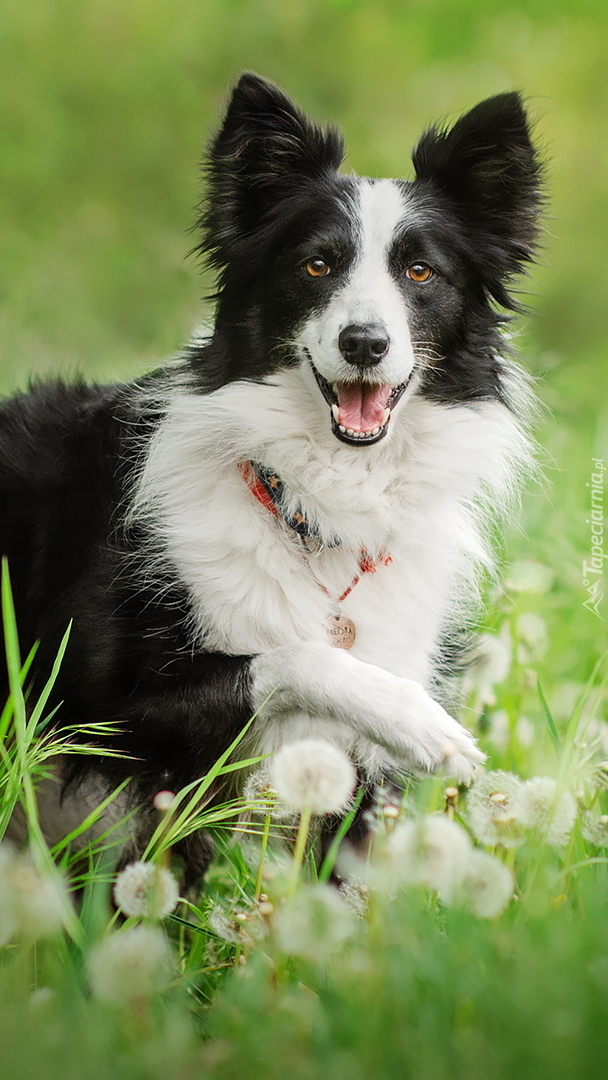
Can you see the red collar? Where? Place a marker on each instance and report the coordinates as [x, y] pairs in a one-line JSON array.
[[268, 489]]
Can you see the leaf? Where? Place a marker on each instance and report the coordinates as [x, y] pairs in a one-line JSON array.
[[330, 859], [549, 719]]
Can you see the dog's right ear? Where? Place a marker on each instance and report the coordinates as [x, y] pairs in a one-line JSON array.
[[265, 150], [489, 169]]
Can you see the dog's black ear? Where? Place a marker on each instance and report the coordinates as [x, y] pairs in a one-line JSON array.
[[265, 150], [487, 166]]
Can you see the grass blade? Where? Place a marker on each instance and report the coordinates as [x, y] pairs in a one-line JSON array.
[[549, 719], [89, 820], [330, 859]]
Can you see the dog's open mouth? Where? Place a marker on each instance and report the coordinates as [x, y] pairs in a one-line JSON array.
[[360, 411]]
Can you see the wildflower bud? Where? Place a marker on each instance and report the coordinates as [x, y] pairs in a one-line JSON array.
[[241, 916], [451, 795], [391, 811], [145, 889], [266, 908], [163, 801], [313, 774]]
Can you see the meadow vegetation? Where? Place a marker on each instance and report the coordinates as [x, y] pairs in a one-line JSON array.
[[425, 966]]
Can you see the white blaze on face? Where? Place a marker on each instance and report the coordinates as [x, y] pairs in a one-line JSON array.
[[370, 295]]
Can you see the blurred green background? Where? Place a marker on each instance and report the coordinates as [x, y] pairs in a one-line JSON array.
[[107, 103]]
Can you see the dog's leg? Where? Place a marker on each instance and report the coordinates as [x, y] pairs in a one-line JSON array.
[[394, 713]]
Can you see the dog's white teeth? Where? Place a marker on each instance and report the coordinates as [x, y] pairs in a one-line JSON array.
[[385, 417], [360, 435], [336, 414]]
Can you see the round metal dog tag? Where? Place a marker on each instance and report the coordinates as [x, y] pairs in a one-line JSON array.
[[342, 631]]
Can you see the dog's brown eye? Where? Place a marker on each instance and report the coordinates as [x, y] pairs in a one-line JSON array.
[[316, 267], [419, 272]]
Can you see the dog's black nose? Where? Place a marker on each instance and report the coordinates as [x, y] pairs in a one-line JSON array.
[[364, 345]]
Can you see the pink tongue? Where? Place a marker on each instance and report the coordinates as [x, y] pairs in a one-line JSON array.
[[361, 407]]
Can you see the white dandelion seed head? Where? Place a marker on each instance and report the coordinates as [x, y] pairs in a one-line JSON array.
[[129, 965], [590, 772], [239, 926], [314, 923], [259, 792], [487, 885], [432, 851], [356, 895], [500, 729], [144, 889], [491, 663], [597, 732], [42, 901], [278, 866], [256, 926], [525, 575], [491, 808], [224, 925], [594, 828], [565, 698], [534, 637], [551, 814], [313, 774], [258, 789], [8, 915], [41, 997]]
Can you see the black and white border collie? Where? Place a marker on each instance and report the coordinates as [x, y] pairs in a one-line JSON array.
[[351, 410]]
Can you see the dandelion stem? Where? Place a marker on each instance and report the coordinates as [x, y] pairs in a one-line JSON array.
[[298, 854], [263, 849]]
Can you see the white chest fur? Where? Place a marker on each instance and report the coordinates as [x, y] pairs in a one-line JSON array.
[[421, 495]]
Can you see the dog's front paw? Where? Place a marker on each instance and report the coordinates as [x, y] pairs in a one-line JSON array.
[[431, 739]]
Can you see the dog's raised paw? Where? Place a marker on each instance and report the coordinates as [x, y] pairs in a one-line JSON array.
[[427, 738]]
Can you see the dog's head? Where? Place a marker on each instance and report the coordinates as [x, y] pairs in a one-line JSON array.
[[381, 288]]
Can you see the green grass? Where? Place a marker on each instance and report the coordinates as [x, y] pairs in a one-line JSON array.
[[420, 987], [105, 108]]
